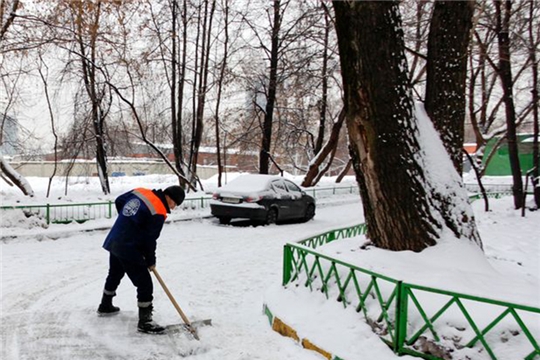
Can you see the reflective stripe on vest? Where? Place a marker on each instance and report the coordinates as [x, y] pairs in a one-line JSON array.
[[152, 201]]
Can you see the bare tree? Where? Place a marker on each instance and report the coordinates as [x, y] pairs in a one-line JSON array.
[[485, 100], [220, 84], [534, 39], [8, 15], [315, 172], [202, 89], [266, 140], [81, 30], [327, 152], [503, 13], [44, 78]]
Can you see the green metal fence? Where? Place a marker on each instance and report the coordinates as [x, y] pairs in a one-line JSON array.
[[323, 192], [67, 213], [408, 316], [495, 195]]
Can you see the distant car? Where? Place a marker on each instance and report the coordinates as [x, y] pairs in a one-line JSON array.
[[265, 199]]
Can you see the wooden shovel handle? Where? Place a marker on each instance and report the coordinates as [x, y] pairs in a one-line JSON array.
[[176, 306]]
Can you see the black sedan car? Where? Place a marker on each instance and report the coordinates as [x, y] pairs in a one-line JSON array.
[[264, 199]]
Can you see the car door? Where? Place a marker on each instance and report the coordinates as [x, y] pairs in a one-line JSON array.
[[297, 203], [283, 199]]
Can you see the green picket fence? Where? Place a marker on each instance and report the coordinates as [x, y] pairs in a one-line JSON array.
[[406, 315]]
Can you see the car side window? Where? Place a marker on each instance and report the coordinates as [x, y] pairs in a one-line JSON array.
[[294, 190], [279, 187], [292, 187]]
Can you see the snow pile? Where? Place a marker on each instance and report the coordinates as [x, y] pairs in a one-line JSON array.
[[21, 219]]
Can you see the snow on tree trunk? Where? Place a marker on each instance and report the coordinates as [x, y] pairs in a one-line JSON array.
[[16, 178], [412, 195]]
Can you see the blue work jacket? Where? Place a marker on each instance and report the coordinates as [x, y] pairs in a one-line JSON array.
[[141, 215]]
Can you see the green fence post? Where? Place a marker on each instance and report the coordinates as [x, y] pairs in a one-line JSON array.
[[401, 317], [202, 202], [110, 209], [287, 268], [48, 214]]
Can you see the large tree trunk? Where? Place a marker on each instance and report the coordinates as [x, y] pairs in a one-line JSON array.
[[505, 72], [266, 142], [407, 204], [448, 42]]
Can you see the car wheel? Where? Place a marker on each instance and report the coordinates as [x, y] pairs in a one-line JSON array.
[[224, 220], [310, 212], [271, 216]]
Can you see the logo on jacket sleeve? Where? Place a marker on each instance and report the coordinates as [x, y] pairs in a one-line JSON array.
[[131, 207]]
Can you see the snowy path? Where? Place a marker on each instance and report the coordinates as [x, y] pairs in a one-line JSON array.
[[50, 291]]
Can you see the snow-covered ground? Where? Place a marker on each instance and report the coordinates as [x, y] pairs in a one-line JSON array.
[[51, 285]]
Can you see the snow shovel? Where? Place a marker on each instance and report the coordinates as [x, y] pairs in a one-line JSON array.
[[191, 327]]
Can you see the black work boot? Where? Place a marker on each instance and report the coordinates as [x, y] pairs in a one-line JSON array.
[[146, 324], [106, 307]]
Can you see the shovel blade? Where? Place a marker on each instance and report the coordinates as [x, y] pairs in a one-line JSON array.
[[191, 331]]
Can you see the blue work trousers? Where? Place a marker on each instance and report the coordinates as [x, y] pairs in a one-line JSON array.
[[137, 273]]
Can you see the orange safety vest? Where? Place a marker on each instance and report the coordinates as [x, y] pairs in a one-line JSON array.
[[152, 201]]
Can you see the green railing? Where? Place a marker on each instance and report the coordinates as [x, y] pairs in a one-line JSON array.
[[413, 319], [67, 213], [192, 204], [323, 192], [489, 195]]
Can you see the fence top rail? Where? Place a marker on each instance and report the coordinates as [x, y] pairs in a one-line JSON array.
[[53, 205], [302, 242], [473, 298], [11, 207], [337, 261], [343, 186]]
